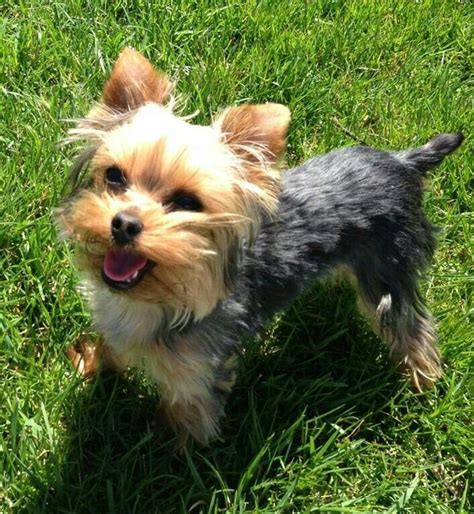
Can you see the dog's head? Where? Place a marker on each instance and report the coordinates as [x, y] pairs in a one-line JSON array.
[[163, 206]]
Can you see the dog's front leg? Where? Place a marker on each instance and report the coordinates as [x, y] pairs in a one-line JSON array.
[[193, 398]]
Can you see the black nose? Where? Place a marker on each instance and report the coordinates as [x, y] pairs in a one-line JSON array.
[[125, 227]]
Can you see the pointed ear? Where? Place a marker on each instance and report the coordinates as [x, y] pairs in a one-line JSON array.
[[256, 131], [134, 81]]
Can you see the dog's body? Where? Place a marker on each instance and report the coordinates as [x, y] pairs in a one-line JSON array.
[[356, 208]]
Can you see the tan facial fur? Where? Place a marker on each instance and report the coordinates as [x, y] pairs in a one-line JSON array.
[[229, 166]]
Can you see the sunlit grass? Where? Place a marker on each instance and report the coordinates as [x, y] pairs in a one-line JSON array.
[[318, 421]]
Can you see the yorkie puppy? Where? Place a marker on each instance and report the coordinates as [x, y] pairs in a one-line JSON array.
[[188, 239]]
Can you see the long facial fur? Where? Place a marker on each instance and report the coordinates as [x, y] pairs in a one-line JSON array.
[[229, 166]]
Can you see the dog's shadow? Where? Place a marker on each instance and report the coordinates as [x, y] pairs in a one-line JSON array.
[[318, 366]]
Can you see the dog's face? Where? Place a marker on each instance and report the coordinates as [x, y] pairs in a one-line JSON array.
[[167, 203]]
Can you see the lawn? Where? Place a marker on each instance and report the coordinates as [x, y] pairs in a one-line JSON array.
[[318, 420]]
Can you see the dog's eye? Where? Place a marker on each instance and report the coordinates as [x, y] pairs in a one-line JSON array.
[[115, 177], [185, 203]]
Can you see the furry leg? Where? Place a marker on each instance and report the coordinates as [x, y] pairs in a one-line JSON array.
[[198, 415], [403, 322], [411, 337]]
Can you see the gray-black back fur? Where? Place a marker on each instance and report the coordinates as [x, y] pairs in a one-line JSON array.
[[357, 207]]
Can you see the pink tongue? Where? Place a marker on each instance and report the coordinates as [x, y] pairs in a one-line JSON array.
[[120, 265]]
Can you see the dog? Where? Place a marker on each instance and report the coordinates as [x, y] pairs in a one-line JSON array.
[[189, 238]]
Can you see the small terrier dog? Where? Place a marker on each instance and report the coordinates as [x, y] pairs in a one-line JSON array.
[[188, 239]]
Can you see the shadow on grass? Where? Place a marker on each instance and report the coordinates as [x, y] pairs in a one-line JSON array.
[[317, 367]]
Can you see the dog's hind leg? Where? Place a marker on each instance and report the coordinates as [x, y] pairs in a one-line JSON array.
[[392, 254], [402, 320]]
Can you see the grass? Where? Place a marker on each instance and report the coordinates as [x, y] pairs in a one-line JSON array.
[[318, 422]]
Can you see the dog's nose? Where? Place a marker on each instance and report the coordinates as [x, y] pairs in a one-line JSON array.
[[125, 227]]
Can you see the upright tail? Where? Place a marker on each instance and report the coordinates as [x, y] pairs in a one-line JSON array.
[[430, 155]]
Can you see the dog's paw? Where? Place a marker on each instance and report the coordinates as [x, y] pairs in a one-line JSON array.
[[85, 358]]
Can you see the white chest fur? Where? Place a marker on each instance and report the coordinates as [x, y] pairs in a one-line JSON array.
[[125, 323], [131, 329]]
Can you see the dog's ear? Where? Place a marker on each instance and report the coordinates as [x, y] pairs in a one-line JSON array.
[[134, 81], [255, 131]]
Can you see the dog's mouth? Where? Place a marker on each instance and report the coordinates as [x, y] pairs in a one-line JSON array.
[[124, 270]]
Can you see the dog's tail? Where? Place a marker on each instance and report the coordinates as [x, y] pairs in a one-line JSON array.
[[430, 155]]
